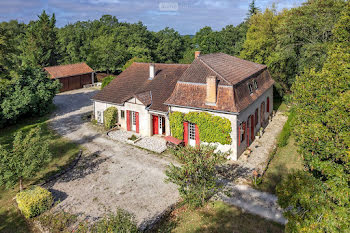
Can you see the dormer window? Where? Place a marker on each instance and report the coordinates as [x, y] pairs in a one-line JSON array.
[[255, 84], [250, 88]]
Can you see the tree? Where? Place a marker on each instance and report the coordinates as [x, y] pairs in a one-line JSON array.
[[170, 46], [40, 47], [233, 38], [11, 34], [304, 34], [208, 41], [261, 37], [135, 59], [30, 94], [106, 53], [26, 157], [318, 199], [253, 9], [196, 178]]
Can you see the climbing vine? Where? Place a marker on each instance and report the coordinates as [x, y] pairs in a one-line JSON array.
[[211, 128], [176, 124]]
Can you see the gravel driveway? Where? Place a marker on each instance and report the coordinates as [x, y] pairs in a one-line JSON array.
[[110, 174]]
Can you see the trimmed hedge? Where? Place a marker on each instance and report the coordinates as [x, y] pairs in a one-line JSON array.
[[110, 117], [211, 128], [176, 124], [34, 201]]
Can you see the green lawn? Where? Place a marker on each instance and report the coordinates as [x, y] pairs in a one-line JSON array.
[[63, 152], [285, 161], [216, 217]]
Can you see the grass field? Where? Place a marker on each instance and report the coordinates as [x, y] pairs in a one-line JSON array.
[[284, 162], [217, 217], [63, 152]]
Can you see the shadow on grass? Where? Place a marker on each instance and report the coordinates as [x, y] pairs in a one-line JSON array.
[[12, 221], [272, 178], [221, 218]]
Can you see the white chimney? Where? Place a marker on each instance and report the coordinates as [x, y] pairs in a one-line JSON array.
[[151, 71]]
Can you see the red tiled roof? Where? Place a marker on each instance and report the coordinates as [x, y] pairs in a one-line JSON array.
[[68, 70], [229, 98], [134, 82], [232, 69]]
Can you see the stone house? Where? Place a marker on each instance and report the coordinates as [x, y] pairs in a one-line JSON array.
[[222, 85]]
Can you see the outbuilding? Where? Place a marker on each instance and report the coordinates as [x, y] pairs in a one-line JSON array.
[[71, 76]]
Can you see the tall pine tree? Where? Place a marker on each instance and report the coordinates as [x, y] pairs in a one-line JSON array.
[[40, 46]]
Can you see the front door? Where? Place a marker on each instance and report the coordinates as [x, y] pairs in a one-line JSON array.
[[155, 124], [191, 134], [133, 121]]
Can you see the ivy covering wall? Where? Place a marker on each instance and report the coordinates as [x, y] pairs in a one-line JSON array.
[[176, 124], [211, 128]]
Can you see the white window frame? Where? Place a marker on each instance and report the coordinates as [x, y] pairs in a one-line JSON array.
[[250, 88], [99, 117], [255, 84]]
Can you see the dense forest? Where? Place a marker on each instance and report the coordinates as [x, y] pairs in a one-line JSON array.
[[307, 50]]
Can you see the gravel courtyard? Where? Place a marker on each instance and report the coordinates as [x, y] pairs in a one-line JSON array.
[[110, 174]]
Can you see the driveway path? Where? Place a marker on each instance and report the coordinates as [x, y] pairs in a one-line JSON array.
[[110, 175]]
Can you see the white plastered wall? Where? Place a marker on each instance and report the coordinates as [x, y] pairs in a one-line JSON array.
[[145, 117], [243, 116]]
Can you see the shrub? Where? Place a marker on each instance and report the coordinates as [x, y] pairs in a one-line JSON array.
[[282, 139], [110, 117], [133, 137], [176, 124], [57, 222], [106, 81], [196, 178], [122, 221], [34, 201]]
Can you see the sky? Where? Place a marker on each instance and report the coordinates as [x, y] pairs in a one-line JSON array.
[[185, 16]]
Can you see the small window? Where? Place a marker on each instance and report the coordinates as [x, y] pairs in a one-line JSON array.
[[250, 88], [256, 117], [255, 84], [122, 114], [192, 131], [99, 116]]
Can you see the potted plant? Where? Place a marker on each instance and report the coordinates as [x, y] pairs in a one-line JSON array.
[[261, 132]]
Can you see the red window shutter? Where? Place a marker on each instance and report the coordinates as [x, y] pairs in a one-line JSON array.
[[248, 131], [239, 134], [186, 133], [137, 122], [197, 136], [268, 105], [128, 126]]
